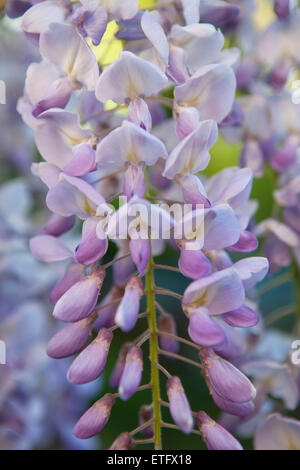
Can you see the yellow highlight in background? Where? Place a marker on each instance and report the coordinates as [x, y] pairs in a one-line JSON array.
[[143, 4], [263, 14], [110, 47]]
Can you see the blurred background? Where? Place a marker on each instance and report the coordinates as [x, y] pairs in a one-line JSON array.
[[38, 407]]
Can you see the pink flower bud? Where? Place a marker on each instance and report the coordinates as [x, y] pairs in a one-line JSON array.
[[145, 415], [70, 339], [91, 362], [128, 309], [119, 366], [106, 316], [232, 407], [123, 442], [74, 273], [95, 418], [57, 225], [166, 324], [140, 253], [80, 300], [214, 435], [225, 379], [179, 405], [132, 373]]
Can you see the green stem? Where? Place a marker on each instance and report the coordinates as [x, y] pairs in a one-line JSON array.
[[153, 353]]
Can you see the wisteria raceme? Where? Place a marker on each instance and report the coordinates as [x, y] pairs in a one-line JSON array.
[[126, 149]]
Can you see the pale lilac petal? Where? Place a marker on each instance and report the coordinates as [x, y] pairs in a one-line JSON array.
[[151, 25], [40, 77], [139, 114], [134, 182], [91, 248], [83, 161], [49, 249], [91, 20], [58, 225], [193, 264], [251, 270], [211, 90], [192, 154], [56, 132], [278, 433], [278, 380], [62, 45], [204, 330], [48, 173], [177, 70], [219, 292], [245, 244], [252, 157], [187, 122], [130, 143], [191, 11], [57, 96], [221, 228], [193, 191], [39, 17], [122, 9], [288, 195], [129, 77], [243, 317], [74, 196], [202, 43]]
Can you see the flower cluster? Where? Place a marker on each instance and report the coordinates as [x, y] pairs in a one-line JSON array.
[[125, 148]]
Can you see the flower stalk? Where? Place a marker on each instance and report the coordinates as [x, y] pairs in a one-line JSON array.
[[154, 354]]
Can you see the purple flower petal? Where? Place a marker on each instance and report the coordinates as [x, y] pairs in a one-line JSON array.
[[215, 436], [179, 405], [204, 330], [80, 300], [132, 373], [95, 418], [90, 363], [49, 249]]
